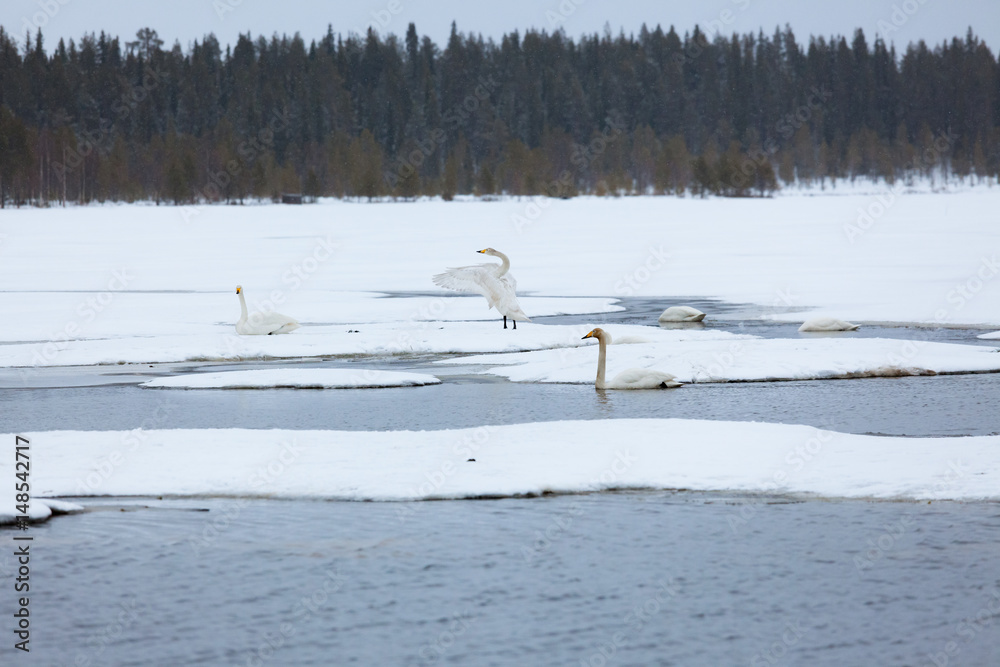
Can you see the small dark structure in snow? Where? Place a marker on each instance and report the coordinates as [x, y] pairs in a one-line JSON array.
[[291, 199]]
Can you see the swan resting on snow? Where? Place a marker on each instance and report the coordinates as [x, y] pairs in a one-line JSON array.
[[827, 324], [633, 378], [491, 280], [682, 314], [262, 323]]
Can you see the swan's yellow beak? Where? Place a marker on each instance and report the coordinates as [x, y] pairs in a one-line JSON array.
[[239, 289], [589, 335], [480, 251]]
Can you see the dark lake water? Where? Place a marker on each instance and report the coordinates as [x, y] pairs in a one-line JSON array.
[[604, 579]]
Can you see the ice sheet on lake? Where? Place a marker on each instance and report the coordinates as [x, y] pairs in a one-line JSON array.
[[376, 339], [298, 378], [553, 457], [990, 336], [743, 359], [923, 258]]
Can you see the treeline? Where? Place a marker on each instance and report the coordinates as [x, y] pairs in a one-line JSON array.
[[538, 113]]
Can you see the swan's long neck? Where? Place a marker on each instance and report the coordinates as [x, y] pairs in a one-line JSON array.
[[504, 263], [602, 358], [243, 308]]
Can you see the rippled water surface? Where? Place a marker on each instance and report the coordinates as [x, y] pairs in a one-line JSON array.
[[652, 578]]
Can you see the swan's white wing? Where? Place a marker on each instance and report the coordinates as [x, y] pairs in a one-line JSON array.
[[500, 291], [479, 279], [682, 314], [642, 378], [264, 323]]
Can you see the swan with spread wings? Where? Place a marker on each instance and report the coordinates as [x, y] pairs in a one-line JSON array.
[[493, 281]]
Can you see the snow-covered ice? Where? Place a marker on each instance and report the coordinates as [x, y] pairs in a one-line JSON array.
[[742, 358], [558, 457], [924, 258], [39, 509], [298, 378], [376, 339]]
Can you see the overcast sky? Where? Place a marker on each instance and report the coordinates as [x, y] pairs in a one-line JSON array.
[[900, 21]]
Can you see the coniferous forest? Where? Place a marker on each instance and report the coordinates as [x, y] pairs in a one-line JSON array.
[[105, 119]]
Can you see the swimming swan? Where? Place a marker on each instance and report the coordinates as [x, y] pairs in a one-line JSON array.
[[262, 323], [827, 324], [682, 314], [490, 280], [633, 378]]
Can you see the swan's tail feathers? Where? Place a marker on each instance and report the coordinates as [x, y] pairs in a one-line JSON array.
[[518, 316]]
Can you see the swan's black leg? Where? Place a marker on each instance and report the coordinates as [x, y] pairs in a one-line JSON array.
[[515, 323], [504, 321]]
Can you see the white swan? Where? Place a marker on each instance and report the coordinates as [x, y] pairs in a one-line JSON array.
[[491, 280], [827, 324], [633, 378], [682, 314], [261, 323]]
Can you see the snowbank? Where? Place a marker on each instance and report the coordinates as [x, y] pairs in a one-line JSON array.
[[297, 378], [556, 457], [40, 509], [744, 359]]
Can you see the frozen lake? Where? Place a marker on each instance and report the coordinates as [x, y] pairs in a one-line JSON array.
[[718, 578]]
